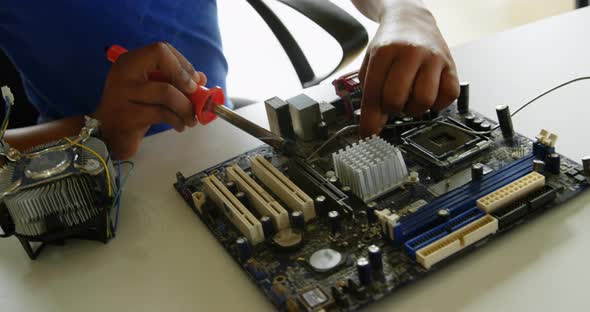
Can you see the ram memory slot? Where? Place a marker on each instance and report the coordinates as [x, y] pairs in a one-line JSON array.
[[461, 199]]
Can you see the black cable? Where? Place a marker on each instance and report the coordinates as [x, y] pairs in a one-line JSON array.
[[549, 91], [390, 126]]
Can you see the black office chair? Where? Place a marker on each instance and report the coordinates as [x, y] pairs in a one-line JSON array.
[[347, 31], [582, 3]]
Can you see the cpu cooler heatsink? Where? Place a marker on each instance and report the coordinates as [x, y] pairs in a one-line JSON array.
[[56, 192]]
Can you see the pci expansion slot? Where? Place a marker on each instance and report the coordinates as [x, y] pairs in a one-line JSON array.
[[265, 204], [233, 209], [280, 185]]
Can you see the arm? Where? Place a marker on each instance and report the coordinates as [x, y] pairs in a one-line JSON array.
[[408, 67], [24, 138], [130, 102]]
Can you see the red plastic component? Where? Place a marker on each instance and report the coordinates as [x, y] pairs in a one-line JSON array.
[[348, 83], [114, 51], [345, 86], [204, 100]]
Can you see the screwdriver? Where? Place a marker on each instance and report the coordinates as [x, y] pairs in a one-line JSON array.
[[208, 105]]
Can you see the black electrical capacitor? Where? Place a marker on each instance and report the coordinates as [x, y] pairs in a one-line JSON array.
[[433, 114], [298, 220], [444, 214], [357, 115], [244, 248], [469, 120], [485, 126], [463, 100], [428, 115], [505, 121], [539, 166], [231, 186], [370, 210], [376, 259], [476, 171], [586, 164], [553, 163], [477, 122], [346, 189], [322, 129], [334, 220], [321, 208], [241, 196], [364, 271], [268, 228], [407, 121], [398, 129]]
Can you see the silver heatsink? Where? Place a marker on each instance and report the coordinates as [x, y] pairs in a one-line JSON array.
[[59, 187], [71, 201], [371, 167]]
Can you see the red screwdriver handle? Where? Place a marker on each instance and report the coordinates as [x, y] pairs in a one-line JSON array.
[[203, 99]]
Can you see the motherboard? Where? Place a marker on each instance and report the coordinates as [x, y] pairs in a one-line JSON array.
[[340, 222]]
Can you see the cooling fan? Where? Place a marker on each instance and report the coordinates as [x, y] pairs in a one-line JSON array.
[[58, 191]]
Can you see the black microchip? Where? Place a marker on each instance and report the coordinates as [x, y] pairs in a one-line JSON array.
[[314, 298], [573, 172], [580, 178]]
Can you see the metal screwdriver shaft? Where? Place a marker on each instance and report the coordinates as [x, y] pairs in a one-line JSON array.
[[250, 127]]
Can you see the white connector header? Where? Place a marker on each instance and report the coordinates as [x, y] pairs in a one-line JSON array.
[[6, 93]]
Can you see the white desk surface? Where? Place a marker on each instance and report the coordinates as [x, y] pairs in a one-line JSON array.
[[164, 259]]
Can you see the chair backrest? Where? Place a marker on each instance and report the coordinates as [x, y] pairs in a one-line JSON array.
[[347, 31]]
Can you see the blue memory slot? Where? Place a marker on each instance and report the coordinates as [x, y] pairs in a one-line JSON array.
[[440, 231], [460, 199]]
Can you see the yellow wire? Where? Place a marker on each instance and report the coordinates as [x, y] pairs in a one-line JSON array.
[[104, 164], [4, 129], [106, 170], [6, 122]]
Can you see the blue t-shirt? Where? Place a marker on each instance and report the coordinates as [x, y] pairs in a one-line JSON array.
[[59, 46]]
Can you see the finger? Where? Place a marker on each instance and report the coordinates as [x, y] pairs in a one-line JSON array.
[[185, 64], [400, 80], [165, 95], [372, 116], [426, 87], [202, 78], [448, 90], [363, 69], [153, 114], [159, 57]]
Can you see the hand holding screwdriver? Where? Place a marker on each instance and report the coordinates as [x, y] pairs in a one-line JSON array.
[[208, 104], [131, 102], [204, 100]]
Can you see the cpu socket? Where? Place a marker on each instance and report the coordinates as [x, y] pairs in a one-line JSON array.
[[443, 145]]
